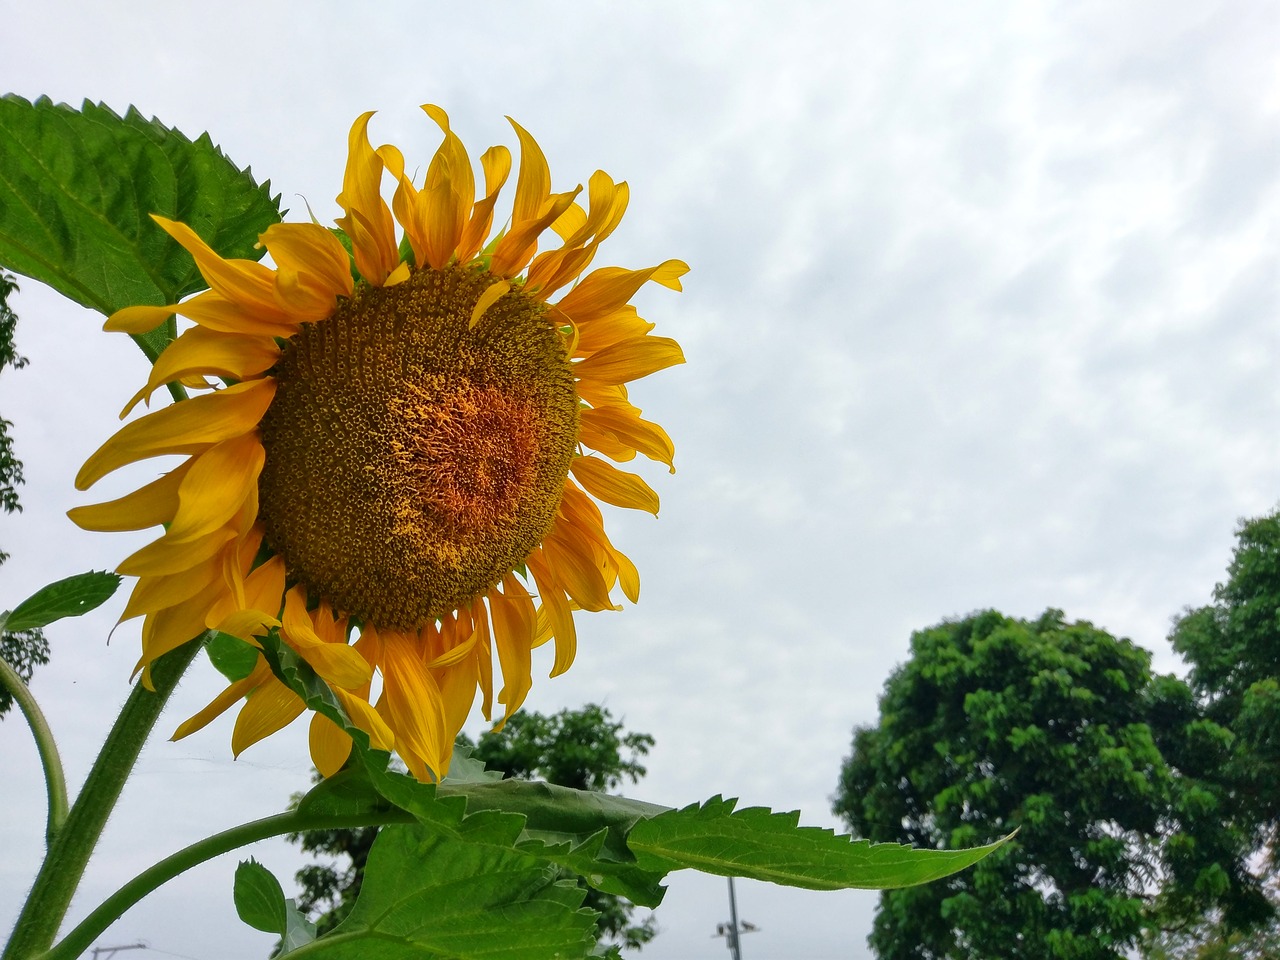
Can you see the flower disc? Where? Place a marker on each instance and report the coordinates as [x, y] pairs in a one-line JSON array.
[[411, 459]]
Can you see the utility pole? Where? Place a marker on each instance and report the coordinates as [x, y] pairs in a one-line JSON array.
[[109, 952], [732, 930]]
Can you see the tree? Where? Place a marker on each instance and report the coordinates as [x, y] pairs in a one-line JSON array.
[[1233, 648], [1230, 758], [1044, 726], [24, 650], [584, 749]]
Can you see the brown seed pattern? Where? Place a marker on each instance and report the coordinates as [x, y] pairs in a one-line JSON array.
[[413, 461]]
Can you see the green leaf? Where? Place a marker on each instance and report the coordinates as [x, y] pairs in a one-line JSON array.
[[231, 656], [259, 898], [298, 932], [77, 188], [71, 597], [427, 896], [762, 845], [618, 845]]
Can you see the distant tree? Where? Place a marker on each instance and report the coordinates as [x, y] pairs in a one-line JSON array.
[[1233, 647], [584, 749], [24, 650], [1230, 756], [996, 724]]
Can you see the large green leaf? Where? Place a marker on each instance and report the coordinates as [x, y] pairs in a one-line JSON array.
[[757, 843], [77, 188], [619, 845], [430, 896], [72, 597]]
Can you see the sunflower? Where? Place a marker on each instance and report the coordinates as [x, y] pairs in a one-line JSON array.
[[408, 449]]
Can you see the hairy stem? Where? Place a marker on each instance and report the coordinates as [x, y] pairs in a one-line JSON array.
[[111, 909], [68, 855], [54, 779]]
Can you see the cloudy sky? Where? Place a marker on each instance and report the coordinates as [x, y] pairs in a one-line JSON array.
[[982, 313]]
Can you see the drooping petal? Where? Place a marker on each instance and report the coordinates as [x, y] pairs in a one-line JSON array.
[[608, 483], [188, 427], [514, 620], [621, 425], [330, 745], [413, 700], [271, 707], [216, 485], [206, 353], [630, 360], [148, 506]]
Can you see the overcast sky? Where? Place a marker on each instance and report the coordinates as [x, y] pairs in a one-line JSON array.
[[982, 313]]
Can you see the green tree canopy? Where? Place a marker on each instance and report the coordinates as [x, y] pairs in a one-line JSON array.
[[1233, 648], [1043, 726], [585, 749]]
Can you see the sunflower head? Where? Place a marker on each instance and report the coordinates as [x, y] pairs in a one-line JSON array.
[[402, 479]]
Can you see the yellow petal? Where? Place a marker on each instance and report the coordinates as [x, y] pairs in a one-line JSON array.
[[201, 352], [188, 427], [271, 707], [147, 506], [622, 424], [603, 291], [572, 562], [141, 319], [245, 282], [330, 745], [337, 663], [219, 481], [630, 360], [381, 736], [606, 482], [316, 260], [223, 701], [514, 620], [496, 162], [412, 700], [560, 617], [166, 557], [492, 294], [368, 220]]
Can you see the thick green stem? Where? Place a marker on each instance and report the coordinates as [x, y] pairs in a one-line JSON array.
[[54, 780], [68, 855], [81, 938]]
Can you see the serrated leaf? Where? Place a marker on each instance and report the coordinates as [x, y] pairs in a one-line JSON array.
[[756, 843], [77, 188], [427, 896], [259, 898], [618, 845], [71, 597], [231, 656]]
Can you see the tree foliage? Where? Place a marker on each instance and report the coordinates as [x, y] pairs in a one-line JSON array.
[[584, 749], [1233, 647], [24, 650], [1046, 727]]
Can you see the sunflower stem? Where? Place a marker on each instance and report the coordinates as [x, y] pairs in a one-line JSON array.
[[78, 940], [54, 779], [68, 854]]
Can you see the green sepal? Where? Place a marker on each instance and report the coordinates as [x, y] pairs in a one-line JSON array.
[[232, 657], [71, 597]]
